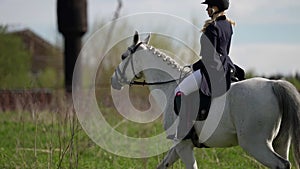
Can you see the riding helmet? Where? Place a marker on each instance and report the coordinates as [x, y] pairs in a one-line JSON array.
[[221, 4]]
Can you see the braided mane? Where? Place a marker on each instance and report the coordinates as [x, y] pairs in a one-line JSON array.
[[165, 58]]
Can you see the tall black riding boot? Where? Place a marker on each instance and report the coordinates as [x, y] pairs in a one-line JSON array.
[[185, 120]]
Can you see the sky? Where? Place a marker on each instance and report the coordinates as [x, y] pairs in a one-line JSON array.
[[266, 38]]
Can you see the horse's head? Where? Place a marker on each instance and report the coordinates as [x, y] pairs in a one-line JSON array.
[[126, 70]]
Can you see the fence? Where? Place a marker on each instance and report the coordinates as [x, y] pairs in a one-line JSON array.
[[25, 99]]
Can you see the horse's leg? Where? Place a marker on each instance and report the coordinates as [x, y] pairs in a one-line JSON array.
[[185, 151], [261, 149], [182, 150], [169, 159]]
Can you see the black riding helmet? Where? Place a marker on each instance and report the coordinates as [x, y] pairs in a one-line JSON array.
[[221, 4]]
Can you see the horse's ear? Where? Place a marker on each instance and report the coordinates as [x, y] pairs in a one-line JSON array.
[[136, 37], [147, 39]]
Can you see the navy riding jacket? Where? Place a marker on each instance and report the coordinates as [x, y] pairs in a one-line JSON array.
[[216, 64]]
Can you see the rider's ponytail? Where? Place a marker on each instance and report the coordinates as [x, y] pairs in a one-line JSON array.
[[213, 19]]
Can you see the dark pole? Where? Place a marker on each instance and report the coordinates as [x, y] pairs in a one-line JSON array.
[[72, 23], [72, 50]]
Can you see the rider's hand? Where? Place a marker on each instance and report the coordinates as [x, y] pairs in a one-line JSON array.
[[190, 67]]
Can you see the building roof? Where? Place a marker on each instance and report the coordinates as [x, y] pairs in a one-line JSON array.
[[43, 53]]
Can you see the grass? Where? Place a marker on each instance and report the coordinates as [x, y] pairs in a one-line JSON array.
[[55, 139]]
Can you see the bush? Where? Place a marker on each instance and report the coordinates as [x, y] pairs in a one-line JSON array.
[[14, 63]]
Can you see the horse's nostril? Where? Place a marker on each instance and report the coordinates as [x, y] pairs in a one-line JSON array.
[[123, 57]]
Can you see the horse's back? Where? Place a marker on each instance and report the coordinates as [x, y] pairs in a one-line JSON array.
[[251, 91]]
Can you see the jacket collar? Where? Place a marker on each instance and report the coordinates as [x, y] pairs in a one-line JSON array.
[[222, 17]]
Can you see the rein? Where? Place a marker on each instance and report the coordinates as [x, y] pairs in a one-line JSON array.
[[144, 83]]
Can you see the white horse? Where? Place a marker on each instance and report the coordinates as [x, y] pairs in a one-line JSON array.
[[262, 116]]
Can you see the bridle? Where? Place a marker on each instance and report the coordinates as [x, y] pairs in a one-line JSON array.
[[120, 74]]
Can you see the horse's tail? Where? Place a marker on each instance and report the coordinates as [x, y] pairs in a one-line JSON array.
[[289, 102]]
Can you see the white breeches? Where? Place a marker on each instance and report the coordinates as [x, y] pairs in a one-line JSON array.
[[190, 83]]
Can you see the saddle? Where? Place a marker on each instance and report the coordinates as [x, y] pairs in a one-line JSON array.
[[204, 106], [205, 102], [235, 75]]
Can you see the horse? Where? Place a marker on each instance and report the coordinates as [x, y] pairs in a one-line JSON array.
[[260, 115]]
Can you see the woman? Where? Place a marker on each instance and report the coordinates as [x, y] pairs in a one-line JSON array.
[[211, 73]]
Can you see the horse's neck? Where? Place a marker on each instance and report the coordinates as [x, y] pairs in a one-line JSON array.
[[160, 76], [158, 67], [163, 95], [166, 67]]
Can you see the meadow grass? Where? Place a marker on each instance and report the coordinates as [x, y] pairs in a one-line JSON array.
[[55, 139]]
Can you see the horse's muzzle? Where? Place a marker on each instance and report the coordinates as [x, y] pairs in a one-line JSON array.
[[115, 84]]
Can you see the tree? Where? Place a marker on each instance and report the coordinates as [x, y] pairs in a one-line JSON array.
[[14, 62]]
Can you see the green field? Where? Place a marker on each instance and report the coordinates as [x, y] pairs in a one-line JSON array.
[[55, 139]]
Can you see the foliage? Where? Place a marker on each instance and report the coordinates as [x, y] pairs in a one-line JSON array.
[[48, 78], [295, 81], [3, 29], [14, 63]]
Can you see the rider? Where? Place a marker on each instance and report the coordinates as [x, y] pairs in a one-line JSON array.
[[211, 73]]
